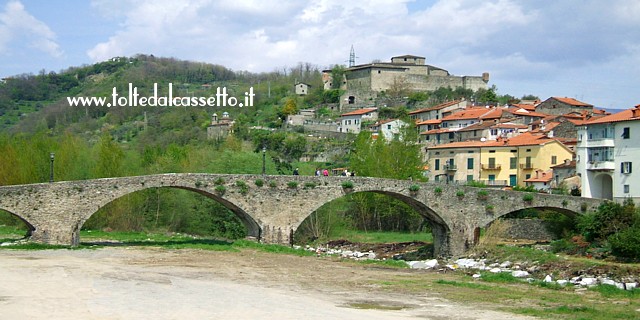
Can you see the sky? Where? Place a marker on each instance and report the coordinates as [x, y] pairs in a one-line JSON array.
[[584, 49]]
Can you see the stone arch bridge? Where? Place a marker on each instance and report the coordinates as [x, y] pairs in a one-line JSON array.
[[55, 212]]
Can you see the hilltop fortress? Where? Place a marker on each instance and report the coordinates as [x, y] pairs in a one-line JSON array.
[[364, 83]]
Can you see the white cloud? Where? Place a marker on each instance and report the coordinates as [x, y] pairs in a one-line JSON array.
[[17, 23], [514, 40]]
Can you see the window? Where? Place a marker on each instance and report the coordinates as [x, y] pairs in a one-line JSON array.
[[625, 133], [437, 164], [554, 159], [527, 176], [513, 151], [625, 167], [626, 188], [492, 177], [469, 151], [450, 135], [470, 177], [492, 163], [513, 163], [492, 151], [470, 163], [528, 150], [388, 127], [494, 132]]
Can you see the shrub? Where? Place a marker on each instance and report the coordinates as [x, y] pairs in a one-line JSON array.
[[273, 184], [438, 190], [527, 197], [244, 188], [220, 181], [489, 208], [292, 184], [347, 185], [259, 182], [459, 193], [198, 184], [525, 189], [610, 218], [477, 184], [565, 203], [483, 194], [626, 244], [414, 188], [221, 189], [309, 185]]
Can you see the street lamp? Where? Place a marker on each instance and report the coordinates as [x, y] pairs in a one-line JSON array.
[[264, 157], [51, 156]]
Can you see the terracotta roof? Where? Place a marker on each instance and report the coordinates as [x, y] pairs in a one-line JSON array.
[[359, 112], [625, 115], [572, 101], [528, 107], [524, 139], [433, 131], [468, 113], [432, 121], [541, 177], [570, 164], [510, 126], [437, 107], [523, 112], [495, 113]]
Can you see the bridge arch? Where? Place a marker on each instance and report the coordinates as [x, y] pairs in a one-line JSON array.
[[439, 227], [253, 229], [30, 227]]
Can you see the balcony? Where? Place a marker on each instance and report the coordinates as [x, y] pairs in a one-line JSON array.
[[495, 183], [450, 167], [491, 167], [601, 166], [526, 166], [599, 143]]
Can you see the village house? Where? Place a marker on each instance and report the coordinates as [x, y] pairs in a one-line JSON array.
[[501, 162], [541, 180], [351, 122], [302, 89], [390, 129], [220, 128], [438, 111], [558, 106], [606, 150]]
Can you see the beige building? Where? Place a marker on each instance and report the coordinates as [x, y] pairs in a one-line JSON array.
[[352, 121], [220, 127]]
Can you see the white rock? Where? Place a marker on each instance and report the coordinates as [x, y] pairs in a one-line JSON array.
[[476, 276], [548, 278], [562, 282], [347, 253], [588, 282], [631, 285], [505, 264], [619, 285], [520, 274], [417, 265], [371, 255], [495, 270], [433, 263], [466, 263], [452, 266], [530, 280], [609, 282]]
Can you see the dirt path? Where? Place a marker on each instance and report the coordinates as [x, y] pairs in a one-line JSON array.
[[131, 283]]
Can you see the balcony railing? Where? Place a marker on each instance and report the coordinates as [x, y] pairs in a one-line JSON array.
[[450, 167], [495, 183], [491, 167], [601, 165]]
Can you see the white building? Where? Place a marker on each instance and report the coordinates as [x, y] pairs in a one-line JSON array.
[[390, 129], [606, 150], [352, 121], [302, 89]]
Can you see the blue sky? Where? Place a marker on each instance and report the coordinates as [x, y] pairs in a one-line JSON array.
[[585, 49]]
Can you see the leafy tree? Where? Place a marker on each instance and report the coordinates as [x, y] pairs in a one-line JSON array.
[[611, 218], [290, 107], [109, 158], [337, 74]]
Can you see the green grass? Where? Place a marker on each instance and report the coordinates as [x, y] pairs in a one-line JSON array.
[[382, 237]]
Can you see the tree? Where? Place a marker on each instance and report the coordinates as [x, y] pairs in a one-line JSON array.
[[290, 107], [109, 158], [396, 159]]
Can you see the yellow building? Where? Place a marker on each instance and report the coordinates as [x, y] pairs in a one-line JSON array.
[[503, 162]]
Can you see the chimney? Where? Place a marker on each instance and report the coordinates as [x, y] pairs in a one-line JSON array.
[[636, 111]]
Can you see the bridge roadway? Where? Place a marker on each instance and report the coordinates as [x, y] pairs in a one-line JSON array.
[[55, 212]]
